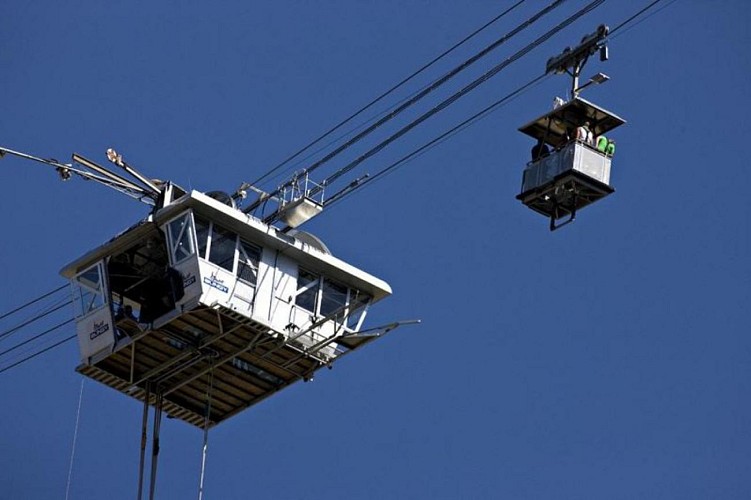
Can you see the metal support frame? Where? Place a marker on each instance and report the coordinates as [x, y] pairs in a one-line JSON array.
[[156, 428], [555, 215], [218, 362], [144, 439], [572, 60], [181, 357]]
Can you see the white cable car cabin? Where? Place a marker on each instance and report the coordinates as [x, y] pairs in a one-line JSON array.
[[200, 295], [573, 174]]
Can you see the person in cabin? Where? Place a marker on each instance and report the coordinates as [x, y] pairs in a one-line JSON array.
[[540, 150], [128, 313], [125, 312], [584, 134]]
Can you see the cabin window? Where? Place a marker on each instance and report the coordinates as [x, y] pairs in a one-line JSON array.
[[202, 235], [247, 265], [88, 291], [307, 291], [222, 248], [325, 297], [358, 308], [140, 276], [181, 238], [333, 298]]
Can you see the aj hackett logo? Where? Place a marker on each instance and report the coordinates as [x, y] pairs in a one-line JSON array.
[[215, 282], [188, 280], [99, 328]]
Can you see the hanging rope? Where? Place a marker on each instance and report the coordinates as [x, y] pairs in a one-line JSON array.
[[157, 424], [144, 438], [206, 422], [75, 439]]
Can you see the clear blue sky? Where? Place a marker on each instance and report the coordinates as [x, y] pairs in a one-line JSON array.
[[611, 359]]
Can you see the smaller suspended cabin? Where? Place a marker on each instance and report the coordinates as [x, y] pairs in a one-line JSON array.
[[201, 296], [566, 174]]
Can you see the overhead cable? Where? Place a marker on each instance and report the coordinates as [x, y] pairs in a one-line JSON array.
[[643, 10], [508, 36], [35, 337], [32, 320], [388, 92], [456, 96], [422, 149], [38, 353], [392, 114], [34, 301]]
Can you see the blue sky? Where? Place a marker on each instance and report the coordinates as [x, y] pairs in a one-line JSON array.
[[610, 359]]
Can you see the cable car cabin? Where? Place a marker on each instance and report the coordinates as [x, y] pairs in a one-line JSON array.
[[202, 296], [566, 174]]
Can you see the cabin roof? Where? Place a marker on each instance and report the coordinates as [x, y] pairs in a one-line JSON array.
[[250, 229], [554, 127]]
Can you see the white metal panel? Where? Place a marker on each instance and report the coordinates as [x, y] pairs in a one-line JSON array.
[[216, 282], [284, 287], [190, 271], [96, 333], [265, 284], [593, 163]]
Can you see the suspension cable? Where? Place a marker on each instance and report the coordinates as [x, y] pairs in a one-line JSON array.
[[32, 320], [35, 337], [34, 301], [655, 2], [388, 92], [452, 131], [418, 96], [38, 353]]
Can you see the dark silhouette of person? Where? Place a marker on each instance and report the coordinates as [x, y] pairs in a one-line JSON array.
[[540, 150]]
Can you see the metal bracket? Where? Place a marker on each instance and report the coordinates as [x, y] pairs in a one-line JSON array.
[[554, 217], [572, 60]]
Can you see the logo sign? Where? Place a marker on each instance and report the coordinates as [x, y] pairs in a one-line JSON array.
[[99, 329], [188, 280], [215, 282]]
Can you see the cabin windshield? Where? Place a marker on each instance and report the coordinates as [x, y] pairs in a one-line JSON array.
[[227, 250], [222, 250], [358, 308], [181, 238], [140, 277], [333, 297], [324, 297], [88, 291]]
